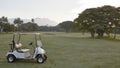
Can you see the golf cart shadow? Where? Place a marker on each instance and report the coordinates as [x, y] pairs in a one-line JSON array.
[[26, 61], [19, 61]]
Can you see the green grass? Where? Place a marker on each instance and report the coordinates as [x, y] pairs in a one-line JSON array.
[[67, 50]]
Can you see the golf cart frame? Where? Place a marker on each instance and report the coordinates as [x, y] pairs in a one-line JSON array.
[[22, 54]]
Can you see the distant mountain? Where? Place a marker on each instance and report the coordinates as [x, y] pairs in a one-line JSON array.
[[39, 21], [45, 21]]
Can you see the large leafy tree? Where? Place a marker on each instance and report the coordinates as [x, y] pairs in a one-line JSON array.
[[98, 20]]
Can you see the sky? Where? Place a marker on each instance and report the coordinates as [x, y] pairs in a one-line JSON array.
[[56, 10]]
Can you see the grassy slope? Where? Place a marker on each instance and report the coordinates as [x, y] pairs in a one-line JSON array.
[[70, 50]]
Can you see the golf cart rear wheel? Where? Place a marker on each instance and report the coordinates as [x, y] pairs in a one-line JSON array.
[[10, 58], [40, 60]]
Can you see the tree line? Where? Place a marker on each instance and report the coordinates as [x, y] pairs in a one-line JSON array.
[[19, 25]]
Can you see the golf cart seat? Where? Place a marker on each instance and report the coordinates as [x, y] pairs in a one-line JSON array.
[[18, 45], [25, 50]]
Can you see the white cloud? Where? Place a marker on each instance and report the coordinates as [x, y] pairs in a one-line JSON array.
[[83, 4]]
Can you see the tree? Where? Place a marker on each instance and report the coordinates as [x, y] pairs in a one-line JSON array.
[[29, 27], [66, 25], [18, 23], [98, 20], [8, 27], [32, 20], [3, 21]]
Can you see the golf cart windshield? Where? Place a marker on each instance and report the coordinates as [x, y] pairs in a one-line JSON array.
[[39, 43], [37, 37]]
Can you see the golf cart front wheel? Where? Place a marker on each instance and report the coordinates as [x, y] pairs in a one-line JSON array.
[[10, 58], [45, 57], [40, 60]]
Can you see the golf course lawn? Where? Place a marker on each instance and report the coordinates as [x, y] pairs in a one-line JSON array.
[[66, 50]]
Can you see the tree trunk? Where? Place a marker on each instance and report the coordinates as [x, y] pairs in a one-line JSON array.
[[1, 29], [92, 34], [115, 34], [100, 33]]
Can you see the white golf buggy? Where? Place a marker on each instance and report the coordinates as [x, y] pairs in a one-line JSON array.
[[17, 53]]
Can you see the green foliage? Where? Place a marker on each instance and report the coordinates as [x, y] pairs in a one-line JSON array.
[[18, 25], [3, 21], [29, 27], [110, 38], [50, 28], [8, 27], [18, 22], [32, 20], [99, 20], [66, 25]]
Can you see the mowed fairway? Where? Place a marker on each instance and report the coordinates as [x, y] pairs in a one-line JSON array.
[[67, 50]]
